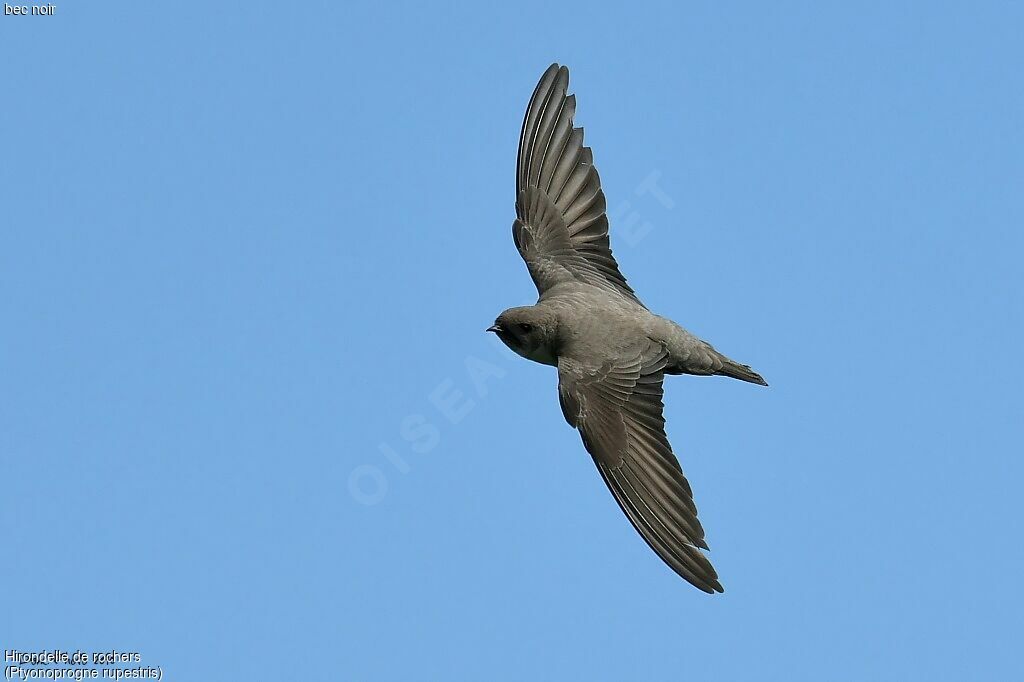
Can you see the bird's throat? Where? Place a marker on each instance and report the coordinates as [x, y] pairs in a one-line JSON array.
[[543, 355]]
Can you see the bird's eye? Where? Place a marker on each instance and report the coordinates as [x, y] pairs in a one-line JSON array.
[[525, 328]]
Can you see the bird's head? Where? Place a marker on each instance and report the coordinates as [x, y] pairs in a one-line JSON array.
[[529, 331]]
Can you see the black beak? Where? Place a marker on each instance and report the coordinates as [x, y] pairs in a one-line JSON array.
[[494, 328]]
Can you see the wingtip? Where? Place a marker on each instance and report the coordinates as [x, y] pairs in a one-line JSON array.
[[711, 587], [556, 68]]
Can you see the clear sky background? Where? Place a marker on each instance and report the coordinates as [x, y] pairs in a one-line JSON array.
[[252, 427]]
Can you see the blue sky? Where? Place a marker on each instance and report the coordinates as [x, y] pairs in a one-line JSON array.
[[251, 426]]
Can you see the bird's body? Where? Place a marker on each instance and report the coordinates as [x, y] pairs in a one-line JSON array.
[[611, 352], [623, 322]]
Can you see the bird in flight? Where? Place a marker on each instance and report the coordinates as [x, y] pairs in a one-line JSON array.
[[612, 353]]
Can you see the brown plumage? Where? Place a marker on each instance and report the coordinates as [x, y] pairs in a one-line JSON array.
[[611, 352]]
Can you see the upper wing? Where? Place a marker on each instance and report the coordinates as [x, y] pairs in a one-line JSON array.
[[561, 229], [618, 410]]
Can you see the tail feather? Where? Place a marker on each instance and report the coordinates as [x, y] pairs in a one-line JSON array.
[[742, 372]]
